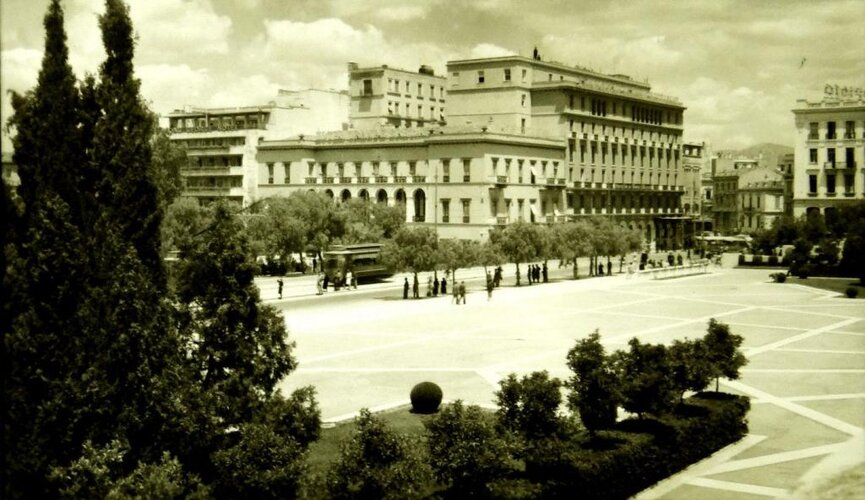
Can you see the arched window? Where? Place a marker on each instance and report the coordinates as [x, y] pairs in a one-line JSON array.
[[419, 206], [381, 196], [400, 196], [345, 195], [363, 194]]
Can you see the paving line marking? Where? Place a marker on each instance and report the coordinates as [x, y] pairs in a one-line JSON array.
[[774, 458], [699, 469], [827, 397], [491, 376], [757, 325], [857, 334], [796, 338], [374, 409], [796, 309], [802, 370], [661, 328], [800, 410], [819, 351], [739, 487]]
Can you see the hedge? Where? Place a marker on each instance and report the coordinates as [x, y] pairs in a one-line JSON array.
[[638, 453]]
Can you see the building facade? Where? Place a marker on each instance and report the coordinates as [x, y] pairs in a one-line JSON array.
[[222, 143], [829, 151], [761, 199], [462, 181], [786, 164], [390, 97], [623, 142]]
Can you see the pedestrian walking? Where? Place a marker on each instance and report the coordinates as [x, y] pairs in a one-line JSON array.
[[349, 276], [415, 288], [444, 286], [678, 259], [436, 287], [530, 273], [325, 281], [405, 289], [670, 259], [609, 268], [537, 273], [314, 264], [337, 280], [429, 286], [456, 294], [279, 286], [489, 287], [497, 276], [600, 268], [318, 279], [546, 273], [463, 291]]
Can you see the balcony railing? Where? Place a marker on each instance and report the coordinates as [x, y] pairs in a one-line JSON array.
[[328, 180], [419, 218], [831, 194], [400, 179], [841, 164], [465, 219], [501, 179], [310, 180], [446, 218], [813, 137], [381, 179], [550, 219], [467, 178], [446, 178], [371, 180], [501, 220], [849, 193], [829, 164]]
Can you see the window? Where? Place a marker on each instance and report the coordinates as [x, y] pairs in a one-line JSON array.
[[480, 76], [520, 203], [830, 156], [523, 100], [507, 74], [830, 184], [412, 168], [848, 183], [812, 130], [419, 89], [830, 130], [446, 210], [467, 170], [270, 173], [407, 87], [432, 91], [446, 170], [812, 155], [849, 130], [466, 210], [848, 158], [389, 107], [525, 74], [522, 125], [812, 183], [367, 87], [340, 170], [419, 111]]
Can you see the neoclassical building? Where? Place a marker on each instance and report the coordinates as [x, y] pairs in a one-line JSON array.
[[381, 96], [623, 142], [829, 151], [461, 180]]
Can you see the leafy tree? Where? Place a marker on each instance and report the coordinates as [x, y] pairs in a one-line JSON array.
[[453, 255], [572, 241], [465, 451], [184, 219], [594, 387], [367, 222], [786, 230], [725, 358], [644, 374], [689, 362], [519, 242], [530, 405], [237, 346], [262, 464], [853, 258], [378, 463], [301, 221], [828, 254], [167, 160], [412, 249], [488, 254]]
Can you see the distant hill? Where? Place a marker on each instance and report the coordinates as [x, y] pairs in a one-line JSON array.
[[766, 152]]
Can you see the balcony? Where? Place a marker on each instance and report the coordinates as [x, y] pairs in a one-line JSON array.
[[501, 179], [831, 194], [849, 194], [465, 219], [550, 219], [419, 218], [370, 180], [467, 178], [329, 180], [501, 220], [829, 165], [446, 178], [849, 164], [310, 180], [381, 179], [399, 179], [813, 137]]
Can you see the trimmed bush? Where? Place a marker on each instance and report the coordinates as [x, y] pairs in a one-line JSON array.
[[741, 259], [803, 271], [851, 292], [757, 260], [426, 397], [778, 277], [773, 260], [650, 450]]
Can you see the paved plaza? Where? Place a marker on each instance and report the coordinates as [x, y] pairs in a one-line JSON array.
[[805, 376]]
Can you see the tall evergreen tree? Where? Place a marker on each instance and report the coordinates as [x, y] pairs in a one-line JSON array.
[[122, 143]]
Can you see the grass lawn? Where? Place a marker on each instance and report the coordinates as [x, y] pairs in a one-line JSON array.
[[838, 285], [326, 450]]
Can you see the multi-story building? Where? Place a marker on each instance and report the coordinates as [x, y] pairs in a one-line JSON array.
[[383, 96], [725, 203], [461, 180], [785, 165], [830, 151], [222, 143], [760, 198], [623, 141]]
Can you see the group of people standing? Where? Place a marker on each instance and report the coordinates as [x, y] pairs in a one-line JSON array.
[[349, 281], [434, 288], [536, 273]]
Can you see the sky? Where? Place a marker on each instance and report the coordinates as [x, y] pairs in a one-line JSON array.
[[737, 65]]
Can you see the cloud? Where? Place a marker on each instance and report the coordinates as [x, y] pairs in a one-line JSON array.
[[20, 71], [168, 87], [246, 91], [179, 30], [482, 50], [401, 12]]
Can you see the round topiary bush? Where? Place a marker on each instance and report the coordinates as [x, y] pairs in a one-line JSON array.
[[426, 397], [779, 277], [851, 292]]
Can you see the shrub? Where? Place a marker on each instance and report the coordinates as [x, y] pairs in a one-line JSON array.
[[757, 260], [426, 397], [594, 387], [644, 376], [741, 259], [773, 260], [803, 271], [778, 277], [659, 448], [465, 450], [378, 463], [851, 292], [530, 406], [724, 355]]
